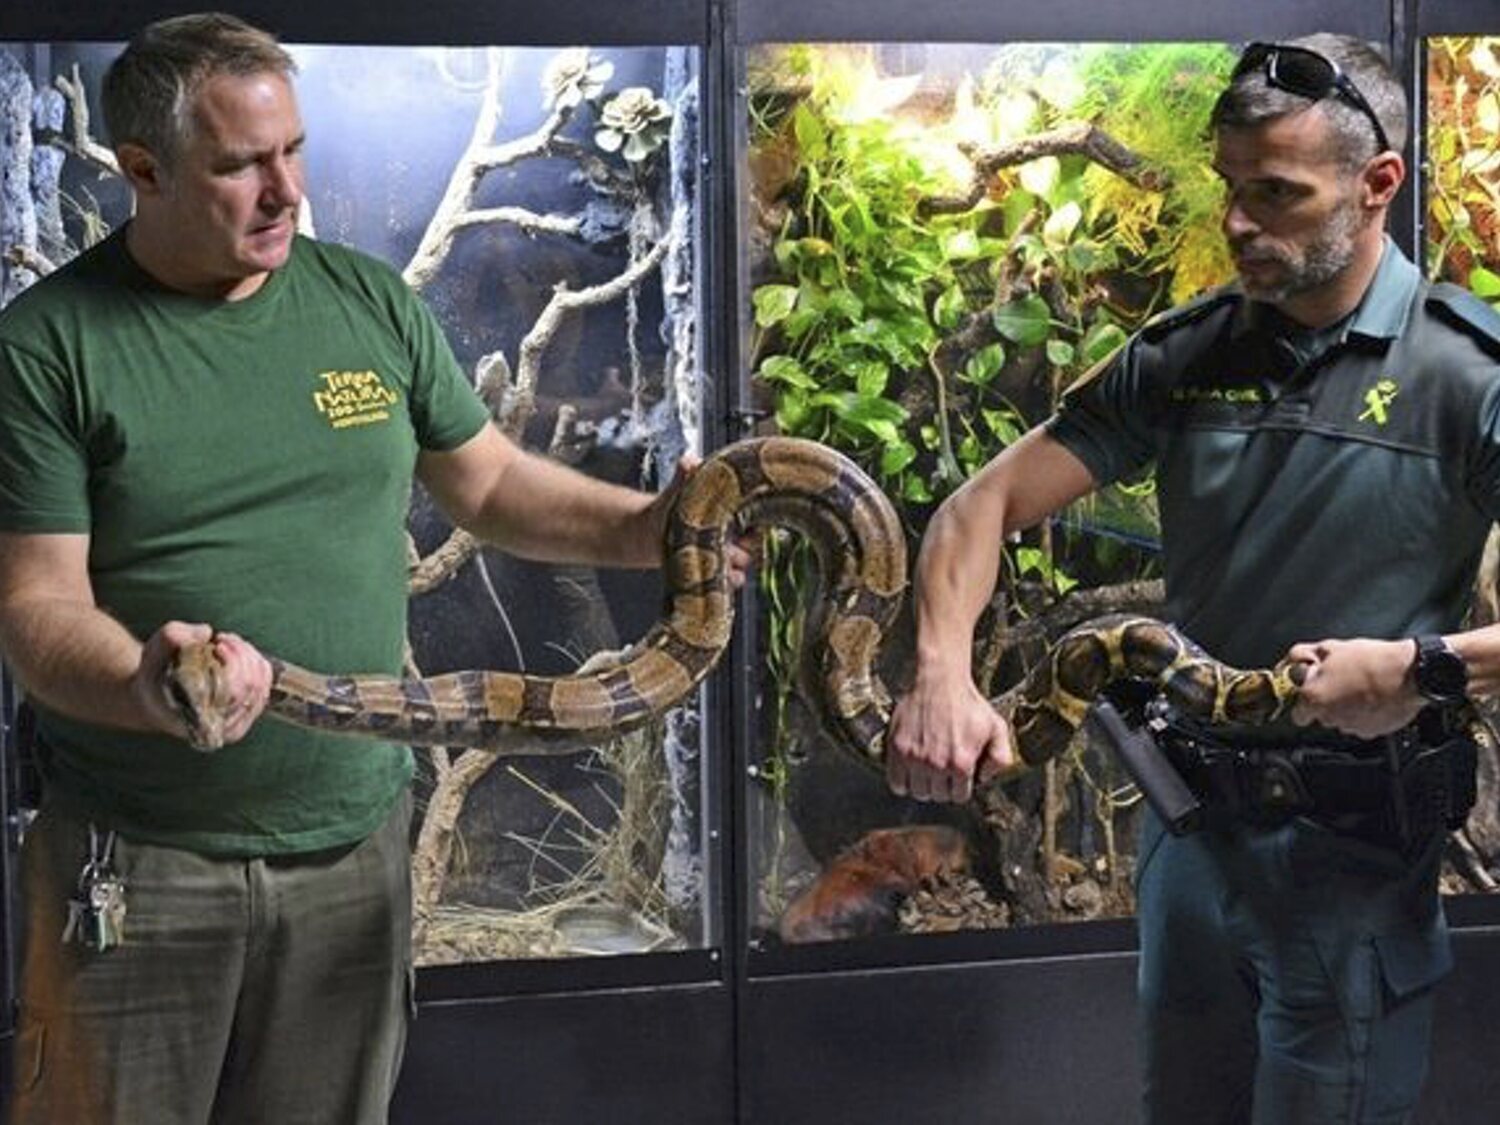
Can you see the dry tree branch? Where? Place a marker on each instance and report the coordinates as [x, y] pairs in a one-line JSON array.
[[515, 411], [454, 776], [456, 773], [563, 302], [1080, 138], [29, 258], [456, 212], [528, 221], [431, 571], [78, 140], [594, 167], [481, 156], [433, 852]]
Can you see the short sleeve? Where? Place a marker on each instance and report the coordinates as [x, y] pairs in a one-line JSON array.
[[44, 473], [1104, 418], [445, 409]]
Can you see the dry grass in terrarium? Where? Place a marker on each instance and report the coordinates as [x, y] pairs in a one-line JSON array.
[[612, 900]]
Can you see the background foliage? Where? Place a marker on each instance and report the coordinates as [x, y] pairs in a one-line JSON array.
[[924, 342], [922, 339], [931, 267], [1463, 163]]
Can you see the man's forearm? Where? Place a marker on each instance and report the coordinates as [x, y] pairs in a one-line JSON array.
[[960, 561], [551, 513], [538, 509], [74, 659], [956, 574]]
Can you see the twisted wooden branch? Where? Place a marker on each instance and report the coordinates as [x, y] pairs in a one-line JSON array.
[[77, 139], [564, 301], [31, 259], [1081, 139], [481, 155]]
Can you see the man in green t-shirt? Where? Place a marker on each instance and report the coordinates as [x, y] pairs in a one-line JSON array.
[[1325, 437], [208, 429]]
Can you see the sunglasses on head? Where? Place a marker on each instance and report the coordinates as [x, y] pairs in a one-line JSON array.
[[1307, 74]]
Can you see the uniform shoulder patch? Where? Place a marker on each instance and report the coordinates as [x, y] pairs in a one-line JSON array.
[[1462, 310], [1190, 312]]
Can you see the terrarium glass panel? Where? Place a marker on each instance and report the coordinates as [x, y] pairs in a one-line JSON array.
[[545, 204], [937, 240], [1463, 163], [1461, 184]]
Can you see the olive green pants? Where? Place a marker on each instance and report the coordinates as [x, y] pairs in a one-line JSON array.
[[246, 990]]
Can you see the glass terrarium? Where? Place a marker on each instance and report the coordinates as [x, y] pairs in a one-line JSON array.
[[545, 204], [1463, 163], [937, 240], [1461, 183]]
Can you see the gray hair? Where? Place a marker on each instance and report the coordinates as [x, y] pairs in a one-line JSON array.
[[149, 89], [1251, 100]]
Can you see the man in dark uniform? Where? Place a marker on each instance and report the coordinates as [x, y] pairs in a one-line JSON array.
[[1327, 452]]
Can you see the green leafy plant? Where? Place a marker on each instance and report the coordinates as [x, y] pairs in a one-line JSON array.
[[1463, 163], [923, 339], [921, 302], [934, 265], [853, 307], [1155, 100]]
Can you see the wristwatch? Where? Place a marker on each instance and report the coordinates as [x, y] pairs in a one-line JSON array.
[[1442, 676]]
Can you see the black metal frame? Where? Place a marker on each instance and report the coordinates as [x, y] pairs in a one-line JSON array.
[[1453, 17], [385, 22], [983, 21], [9, 839], [794, 1034]]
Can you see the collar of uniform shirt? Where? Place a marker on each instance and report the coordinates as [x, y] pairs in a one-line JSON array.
[[1381, 314]]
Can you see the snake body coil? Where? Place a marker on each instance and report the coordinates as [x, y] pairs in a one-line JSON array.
[[861, 547]]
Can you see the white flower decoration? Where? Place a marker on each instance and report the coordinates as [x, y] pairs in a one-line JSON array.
[[574, 76], [636, 119]]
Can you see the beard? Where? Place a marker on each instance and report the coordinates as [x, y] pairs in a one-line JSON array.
[[1303, 268]]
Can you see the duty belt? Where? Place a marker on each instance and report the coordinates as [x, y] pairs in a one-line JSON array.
[[1397, 791]]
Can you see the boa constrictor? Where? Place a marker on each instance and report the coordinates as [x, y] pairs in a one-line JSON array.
[[861, 548]]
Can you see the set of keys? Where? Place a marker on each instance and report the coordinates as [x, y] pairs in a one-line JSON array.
[[96, 912]]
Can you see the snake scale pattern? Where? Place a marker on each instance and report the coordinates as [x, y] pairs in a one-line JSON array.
[[749, 485]]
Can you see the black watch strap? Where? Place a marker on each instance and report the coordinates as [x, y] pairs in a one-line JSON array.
[[1440, 673]]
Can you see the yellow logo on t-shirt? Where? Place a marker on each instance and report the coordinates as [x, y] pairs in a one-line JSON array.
[[353, 398]]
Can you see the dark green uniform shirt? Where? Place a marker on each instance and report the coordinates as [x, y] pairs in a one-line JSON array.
[[247, 464], [1308, 492]]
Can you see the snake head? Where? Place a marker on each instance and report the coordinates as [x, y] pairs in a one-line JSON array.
[[1287, 679], [193, 686], [1293, 672]]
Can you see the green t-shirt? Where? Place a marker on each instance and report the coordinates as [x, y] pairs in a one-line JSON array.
[[247, 464]]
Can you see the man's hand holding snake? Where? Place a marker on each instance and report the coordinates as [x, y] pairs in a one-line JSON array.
[[1361, 687], [237, 679], [942, 734]]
